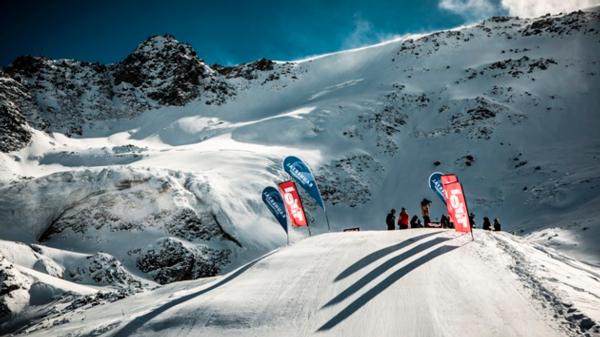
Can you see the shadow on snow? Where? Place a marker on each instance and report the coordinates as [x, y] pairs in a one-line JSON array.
[[135, 324], [363, 281], [388, 281], [365, 261]]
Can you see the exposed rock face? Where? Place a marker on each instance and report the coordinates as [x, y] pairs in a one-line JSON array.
[[168, 72], [516, 68], [170, 215], [138, 203], [67, 95], [263, 70], [191, 225], [14, 133], [248, 71], [171, 260], [349, 180], [564, 25], [104, 269], [389, 120]]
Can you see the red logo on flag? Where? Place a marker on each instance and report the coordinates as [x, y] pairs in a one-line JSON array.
[[293, 204], [456, 203]]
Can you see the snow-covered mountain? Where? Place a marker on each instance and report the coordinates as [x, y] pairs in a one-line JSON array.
[[115, 179]]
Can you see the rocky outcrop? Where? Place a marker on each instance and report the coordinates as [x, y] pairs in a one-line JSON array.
[[390, 119], [578, 21], [170, 260], [70, 95], [349, 180], [103, 269], [248, 71], [14, 131], [171, 216], [263, 70], [169, 72], [516, 68], [192, 225]]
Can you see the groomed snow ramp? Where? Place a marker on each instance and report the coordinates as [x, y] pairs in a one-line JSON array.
[[419, 282]]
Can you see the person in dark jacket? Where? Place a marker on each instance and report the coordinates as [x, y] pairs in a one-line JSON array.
[[497, 226], [472, 219], [415, 222], [425, 211], [403, 219], [486, 224], [390, 220], [444, 221]]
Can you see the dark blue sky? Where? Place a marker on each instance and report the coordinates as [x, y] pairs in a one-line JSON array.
[[226, 32]]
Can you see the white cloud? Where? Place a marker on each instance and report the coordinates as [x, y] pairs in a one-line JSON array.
[[469, 9], [479, 9], [364, 34], [531, 8]]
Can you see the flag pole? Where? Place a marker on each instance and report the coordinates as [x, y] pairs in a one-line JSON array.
[[327, 219], [471, 227]]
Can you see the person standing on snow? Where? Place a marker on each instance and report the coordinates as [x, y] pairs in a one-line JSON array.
[[415, 222], [486, 224], [472, 219], [390, 219], [497, 226], [444, 221], [425, 211], [403, 219]]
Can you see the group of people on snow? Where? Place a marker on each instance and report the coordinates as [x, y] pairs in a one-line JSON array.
[[415, 222]]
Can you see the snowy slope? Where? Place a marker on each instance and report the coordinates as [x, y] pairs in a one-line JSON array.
[[416, 282], [149, 171]]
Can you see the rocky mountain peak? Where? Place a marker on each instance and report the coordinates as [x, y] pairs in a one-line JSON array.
[[165, 45], [27, 65], [169, 69]]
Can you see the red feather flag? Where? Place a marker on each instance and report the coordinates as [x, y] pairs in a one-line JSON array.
[[293, 204], [456, 203]]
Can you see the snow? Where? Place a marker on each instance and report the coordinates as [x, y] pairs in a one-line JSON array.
[[46, 288], [418, 282], [370, 122]]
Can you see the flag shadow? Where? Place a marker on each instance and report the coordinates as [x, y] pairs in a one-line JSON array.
[[363, 281], [365, 261], [383, 285]]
